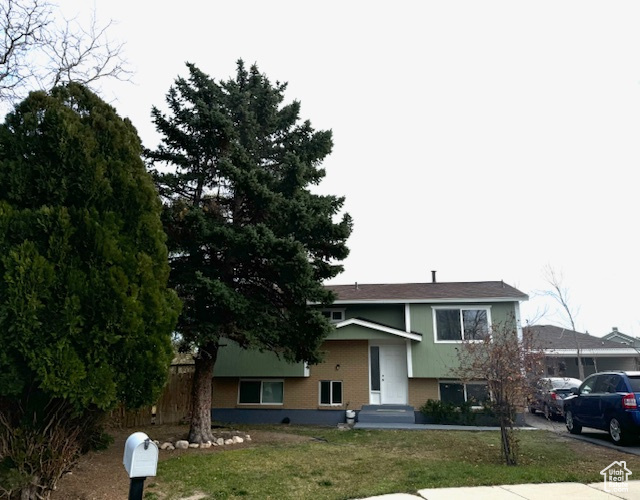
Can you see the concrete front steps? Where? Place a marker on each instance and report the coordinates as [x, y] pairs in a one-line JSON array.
[[386, 414]]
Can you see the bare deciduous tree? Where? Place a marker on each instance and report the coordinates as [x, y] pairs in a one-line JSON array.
[[510, 365], [560, 294], [38, 51]]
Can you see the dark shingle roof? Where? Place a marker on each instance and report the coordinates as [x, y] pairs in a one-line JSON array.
[[556, 337], [427, 291]]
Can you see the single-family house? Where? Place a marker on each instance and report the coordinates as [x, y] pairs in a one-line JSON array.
[[392, 348], [562, 347]]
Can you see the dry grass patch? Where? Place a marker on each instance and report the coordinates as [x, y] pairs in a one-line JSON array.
[[355, 464], [290, 462]]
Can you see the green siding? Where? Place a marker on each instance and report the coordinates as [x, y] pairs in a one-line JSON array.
[[435, 360], [429, 359], [357, 332], [236, 362], [387, 314]]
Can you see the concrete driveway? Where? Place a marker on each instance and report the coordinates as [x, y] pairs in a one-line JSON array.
[[593, 436]]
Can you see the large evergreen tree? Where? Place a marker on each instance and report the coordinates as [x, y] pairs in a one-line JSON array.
[[250, 244], [86, 317]]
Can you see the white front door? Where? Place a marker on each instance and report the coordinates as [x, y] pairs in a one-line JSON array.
[[393, 375]]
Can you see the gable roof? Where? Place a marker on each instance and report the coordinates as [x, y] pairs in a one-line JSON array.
[[622, 336], [477, 291], [555, 339]]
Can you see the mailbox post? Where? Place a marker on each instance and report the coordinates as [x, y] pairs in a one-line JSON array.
[[140, 461]]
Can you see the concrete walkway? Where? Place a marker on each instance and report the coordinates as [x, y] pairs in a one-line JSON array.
[[431, 427], [579, 491]]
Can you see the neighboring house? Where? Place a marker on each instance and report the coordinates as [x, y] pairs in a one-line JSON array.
[[393, 347], [561, 347], [623, 338]]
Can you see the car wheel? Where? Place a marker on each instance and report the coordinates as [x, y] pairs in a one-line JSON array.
[[618, 436], [532, 410], [572, 426]]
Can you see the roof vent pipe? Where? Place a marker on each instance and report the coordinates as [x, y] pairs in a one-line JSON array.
[[433, 276]]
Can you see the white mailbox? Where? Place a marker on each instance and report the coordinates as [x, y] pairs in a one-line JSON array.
[[140, 455]]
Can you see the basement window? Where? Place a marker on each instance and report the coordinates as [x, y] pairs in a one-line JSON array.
[[457, 393], [331, 392], [261, 392]]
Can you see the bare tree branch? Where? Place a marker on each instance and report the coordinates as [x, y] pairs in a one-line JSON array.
[[38, 53], [537, 315], [560, 294], [85, 55], [24, 28]]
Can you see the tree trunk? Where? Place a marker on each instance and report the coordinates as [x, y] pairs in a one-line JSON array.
[[200, 431], [580, 365], [508, 452]]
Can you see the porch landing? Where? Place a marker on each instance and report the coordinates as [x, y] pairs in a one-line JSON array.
[[386, 414]]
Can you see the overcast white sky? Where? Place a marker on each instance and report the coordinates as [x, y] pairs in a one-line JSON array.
[[482, 139]]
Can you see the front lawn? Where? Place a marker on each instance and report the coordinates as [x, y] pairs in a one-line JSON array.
[[335, 464]]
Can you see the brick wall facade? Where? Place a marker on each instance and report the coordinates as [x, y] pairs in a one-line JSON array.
[[344, 360], [421, 389], [351, 358]]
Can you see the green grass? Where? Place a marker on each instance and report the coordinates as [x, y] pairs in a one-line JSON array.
[[361, 463]]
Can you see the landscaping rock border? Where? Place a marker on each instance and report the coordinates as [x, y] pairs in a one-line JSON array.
[[225, 438]]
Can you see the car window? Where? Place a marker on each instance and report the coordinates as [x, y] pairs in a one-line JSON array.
[[587, 386], [635, 384], [612, 382], [602, 384], [621, 386], [566, 383]]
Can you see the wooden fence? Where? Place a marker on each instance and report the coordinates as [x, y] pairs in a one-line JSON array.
[[174, 405]]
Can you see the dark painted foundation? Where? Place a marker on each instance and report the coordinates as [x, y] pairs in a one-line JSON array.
[[256, 416], [314, 417]]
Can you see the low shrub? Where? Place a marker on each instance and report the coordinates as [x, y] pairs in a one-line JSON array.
[[442, 412]]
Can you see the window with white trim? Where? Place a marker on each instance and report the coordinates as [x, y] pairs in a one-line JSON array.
[[455, 324], [261, 392], [331, 392], [333, 315], [457, 393]]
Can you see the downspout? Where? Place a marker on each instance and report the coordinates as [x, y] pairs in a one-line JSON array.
[[518, 323]]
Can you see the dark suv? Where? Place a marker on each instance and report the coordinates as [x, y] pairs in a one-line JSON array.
[[550, 394], [607, 401]]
